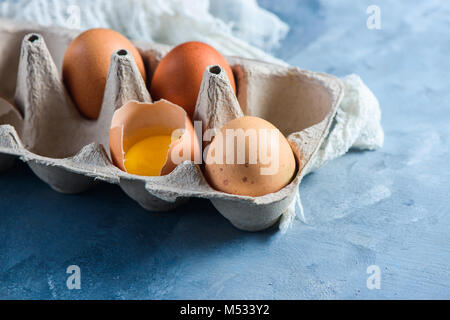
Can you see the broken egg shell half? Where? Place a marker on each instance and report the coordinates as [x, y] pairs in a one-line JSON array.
[[136, 121], [10, 114]]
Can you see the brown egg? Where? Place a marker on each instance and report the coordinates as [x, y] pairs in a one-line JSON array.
[[178, 76], [260, 159], [86, 63]]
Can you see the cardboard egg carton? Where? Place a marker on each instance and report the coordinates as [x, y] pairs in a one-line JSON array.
[[41, 125]]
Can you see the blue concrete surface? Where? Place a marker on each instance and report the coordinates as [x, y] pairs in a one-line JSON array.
[[388, 208]]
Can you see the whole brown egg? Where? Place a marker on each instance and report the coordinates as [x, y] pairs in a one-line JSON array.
[[249, 157], [86, 63], [178, 76]]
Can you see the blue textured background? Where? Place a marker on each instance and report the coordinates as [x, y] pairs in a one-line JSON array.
[[389, 207]]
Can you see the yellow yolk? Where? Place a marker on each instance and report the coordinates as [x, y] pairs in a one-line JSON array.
[[148, 156]]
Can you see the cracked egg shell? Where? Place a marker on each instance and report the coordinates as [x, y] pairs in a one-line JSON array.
[[136, 121]]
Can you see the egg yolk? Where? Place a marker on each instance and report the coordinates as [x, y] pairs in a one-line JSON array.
[[148, 156]]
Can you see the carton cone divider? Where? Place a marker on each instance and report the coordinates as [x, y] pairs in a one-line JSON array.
[[124, 84], [216, 103]]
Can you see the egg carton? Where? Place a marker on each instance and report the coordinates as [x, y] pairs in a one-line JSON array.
[[40, 124]]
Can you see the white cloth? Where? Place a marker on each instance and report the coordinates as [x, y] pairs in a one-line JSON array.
[[234, 27], [357, 123]]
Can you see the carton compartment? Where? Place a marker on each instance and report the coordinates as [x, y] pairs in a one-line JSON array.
[[50, 124]]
